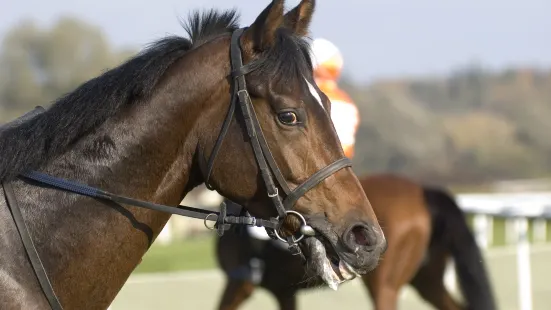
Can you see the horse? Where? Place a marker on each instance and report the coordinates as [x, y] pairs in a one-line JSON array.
[[424, 228], [226, 106]]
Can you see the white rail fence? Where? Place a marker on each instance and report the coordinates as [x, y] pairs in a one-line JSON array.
[[515, 208]]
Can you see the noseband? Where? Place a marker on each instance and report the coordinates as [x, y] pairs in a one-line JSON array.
[[264, 158]]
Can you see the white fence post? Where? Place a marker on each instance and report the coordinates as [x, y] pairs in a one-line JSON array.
[[482, 230]]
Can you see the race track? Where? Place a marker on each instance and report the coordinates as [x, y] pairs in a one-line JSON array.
[[201, 290]]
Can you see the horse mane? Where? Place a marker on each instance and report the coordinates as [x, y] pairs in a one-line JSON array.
[[33, 143], [29, 145], [287, 63]]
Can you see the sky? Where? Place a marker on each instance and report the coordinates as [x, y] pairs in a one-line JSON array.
[[378, 38]]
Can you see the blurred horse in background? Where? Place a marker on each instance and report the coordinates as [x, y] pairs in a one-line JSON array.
[[424, 227]]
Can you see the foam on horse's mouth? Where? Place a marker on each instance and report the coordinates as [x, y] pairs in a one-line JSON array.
[[332, 271]]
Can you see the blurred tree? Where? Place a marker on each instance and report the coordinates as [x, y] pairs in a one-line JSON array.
[[19, 84], [37, 65], [472, 126]]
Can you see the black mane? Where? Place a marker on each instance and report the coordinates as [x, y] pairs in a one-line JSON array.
[[74, 115], [288, 62], [31, 144]]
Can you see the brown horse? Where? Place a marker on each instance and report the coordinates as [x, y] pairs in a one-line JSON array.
[[423, 226], [150, 129]]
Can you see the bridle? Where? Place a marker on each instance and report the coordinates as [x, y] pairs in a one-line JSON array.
[[266, 163], [264, 158]]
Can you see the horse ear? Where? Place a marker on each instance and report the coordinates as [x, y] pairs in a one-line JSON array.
[[261, 34], [299, 18]]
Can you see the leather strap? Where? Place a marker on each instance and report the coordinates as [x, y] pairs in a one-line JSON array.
[[314, 180], [85, 190], [250, 119], [271, 161], [219, 141], [36, 263]]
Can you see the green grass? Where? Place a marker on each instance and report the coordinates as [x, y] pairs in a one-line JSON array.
[[192, 254], [499, 232]]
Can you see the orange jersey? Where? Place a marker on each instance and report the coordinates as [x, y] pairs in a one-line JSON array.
[[344, 114]]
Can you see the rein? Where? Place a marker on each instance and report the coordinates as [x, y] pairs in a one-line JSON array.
[[267, 166]]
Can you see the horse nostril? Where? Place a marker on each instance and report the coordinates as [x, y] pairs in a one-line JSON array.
[[361, 235]]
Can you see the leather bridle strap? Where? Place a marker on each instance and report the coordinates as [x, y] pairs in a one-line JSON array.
[[241, 96], [271, 161], [93, 192], [219, 141], [260, 146], [28, 244], [249, 116], [314, 180]]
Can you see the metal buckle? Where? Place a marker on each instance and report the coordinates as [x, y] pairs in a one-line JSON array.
[[275, 195], [206, 219], [239, 92]]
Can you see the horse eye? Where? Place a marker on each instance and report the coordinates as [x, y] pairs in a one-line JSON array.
[[288, 118]]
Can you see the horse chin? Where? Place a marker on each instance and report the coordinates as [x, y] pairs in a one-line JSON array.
[[326, 265]]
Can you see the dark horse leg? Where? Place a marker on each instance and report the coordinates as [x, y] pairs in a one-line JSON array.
[[286, 300], [238, 291], [235, 293], [234, 252], [429, 282]]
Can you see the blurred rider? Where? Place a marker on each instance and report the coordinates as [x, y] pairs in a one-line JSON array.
[[328, 62]]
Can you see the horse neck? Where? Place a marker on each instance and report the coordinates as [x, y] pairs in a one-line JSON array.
[[147, 152]]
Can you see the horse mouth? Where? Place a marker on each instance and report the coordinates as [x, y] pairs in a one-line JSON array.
[[326, 263]]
